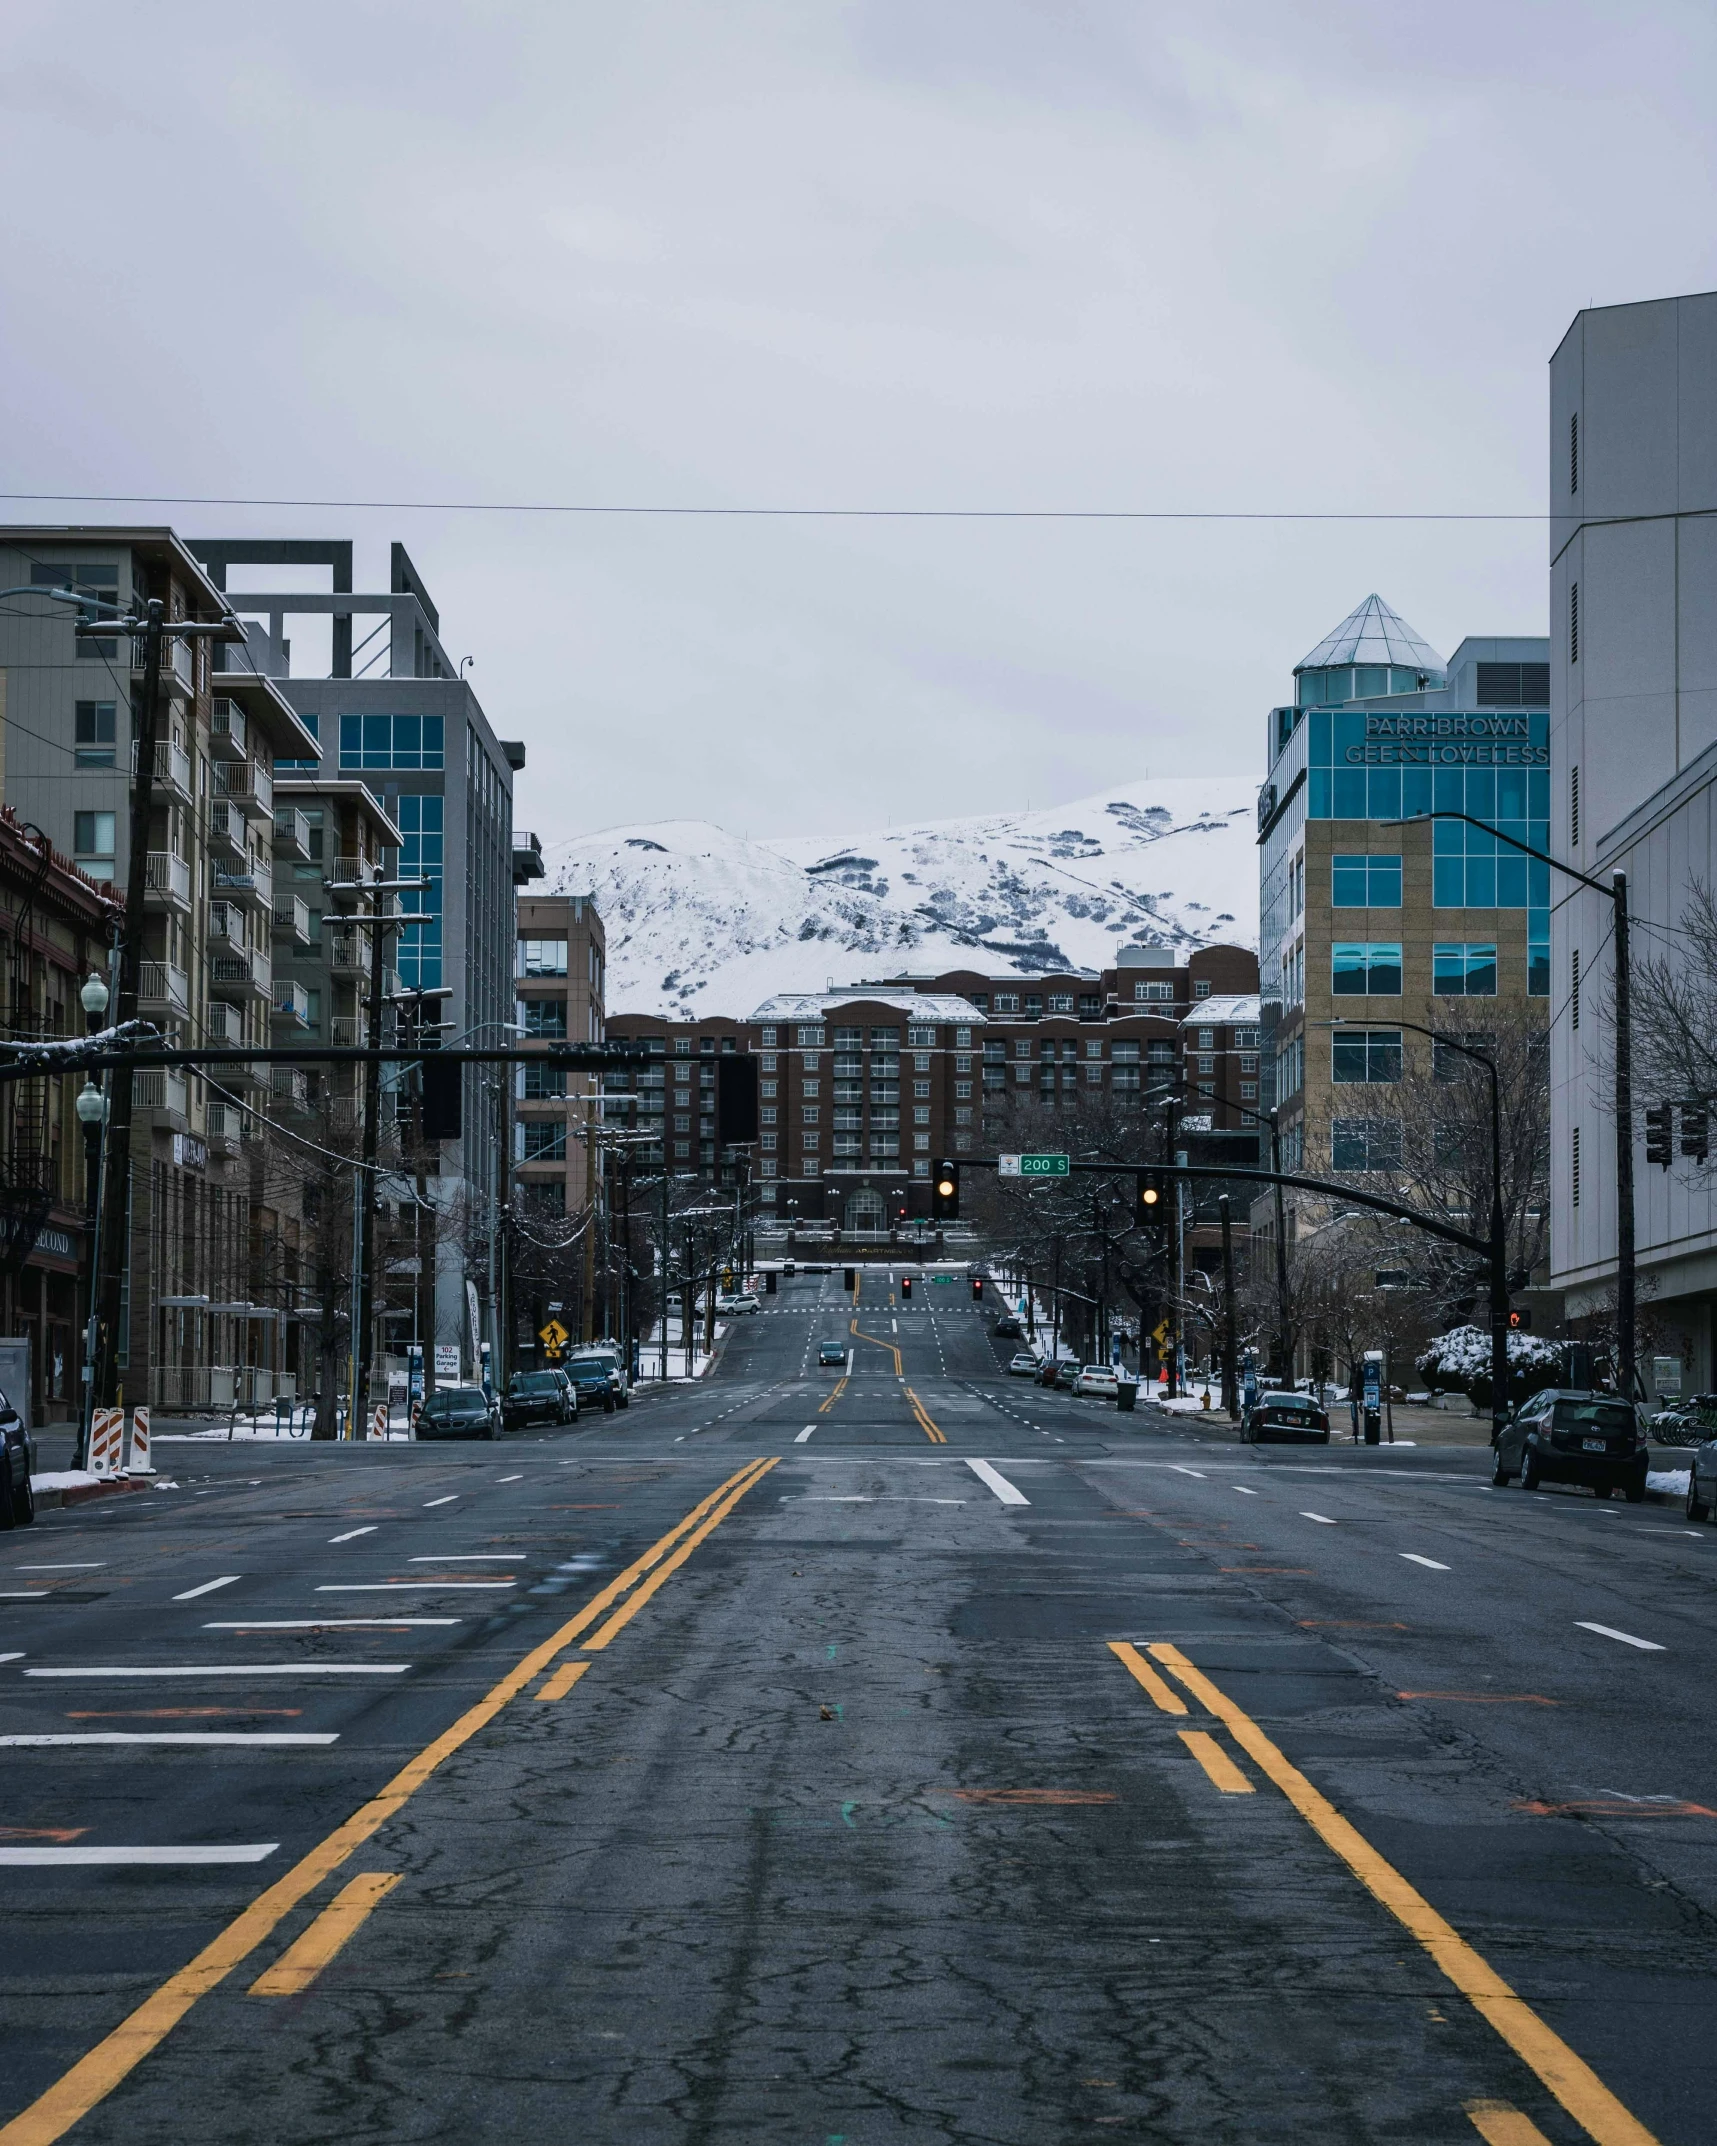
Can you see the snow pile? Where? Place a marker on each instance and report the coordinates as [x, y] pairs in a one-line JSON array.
[[1463, 1353], [698, 920], [1672, 1482]]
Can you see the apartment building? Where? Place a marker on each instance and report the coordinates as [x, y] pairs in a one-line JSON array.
[[56, 929], [1369, 926], [560, 978], [1633, 719], [189, 1331], [862, 1089], [395, 711]]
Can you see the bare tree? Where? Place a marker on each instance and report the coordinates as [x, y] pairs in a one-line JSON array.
[[1675, 1006]]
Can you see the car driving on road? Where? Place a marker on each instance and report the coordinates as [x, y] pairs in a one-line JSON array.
[[1288, 1418], [1007, 1328], [831, 1352], [538, 1397], [742, 1300], [460, 1412], [1563, 1436]]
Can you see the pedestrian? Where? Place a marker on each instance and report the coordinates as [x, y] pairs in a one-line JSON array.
[[1355, 1397]]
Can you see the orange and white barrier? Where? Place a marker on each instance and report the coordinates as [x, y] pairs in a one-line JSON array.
[[379, 1422], [106, 1441], [139, 1461]]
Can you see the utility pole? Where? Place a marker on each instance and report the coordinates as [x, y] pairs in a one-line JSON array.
[[662, 1290], [154, 629], [1230, 1369], [1626, 1377]]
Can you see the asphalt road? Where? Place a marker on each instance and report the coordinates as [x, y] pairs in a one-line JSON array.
[[838, 1760]]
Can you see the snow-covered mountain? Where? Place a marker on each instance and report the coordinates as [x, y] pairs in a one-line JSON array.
[[700, 921]]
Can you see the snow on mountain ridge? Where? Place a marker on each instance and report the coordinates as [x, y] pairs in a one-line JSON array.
[[701, 921]]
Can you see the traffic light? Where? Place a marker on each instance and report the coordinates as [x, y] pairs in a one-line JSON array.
[[1658, 1134], [906, 1288], [1151, 1202], [443, 1099], [1520, 1322], [1695, 1131], [736, 1101], [945, 1192], [977, 1288]]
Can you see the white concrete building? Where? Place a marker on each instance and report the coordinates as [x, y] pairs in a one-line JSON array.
[[1633, 701]]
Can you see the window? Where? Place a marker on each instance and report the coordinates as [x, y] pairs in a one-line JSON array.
[[921, 1087], [962, 1088], [1366, 969], [1248, 1091], [769, 1061], [313, 724], [391, 741], [1006, 1002], [1061, 1002], [1574, 806], [92, 843], [1207, 1039], [1149, 994], [1464, 970], [89, 579], [1365, 1143], [767, 1087], [1371, 1054], [543, 1016], [1449, 1064], [682, 1049], [1574, 622], [543, 1081], [811, 1116], [1249, 1061], [810, 1087], [1291, 1067], [766, 1114], [1207, 1062], [1365, 882], [420, 857], [1201, 989], [921, 1039], [542, 957], [95, 733], [767, 1037], [1574, 453], [962, 1039], [544, 1143], [808, 1035], [1574, 1169], [1538, 954]]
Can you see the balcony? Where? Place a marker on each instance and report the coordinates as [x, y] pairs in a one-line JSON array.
[[227, 1122], [290, 1086], [348, 1032], [228, 835], [222, 1023], [291, 1006], [345, 875], [229, 733], [291, 837], [291, 919], [243, 883], [172, 771], [167, 882], [238, 1074], [248, 786], [162, 990], [350, 955], [161, 1088], [246, 971]]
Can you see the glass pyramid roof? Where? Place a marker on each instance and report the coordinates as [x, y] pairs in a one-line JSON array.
[[1373, 634]]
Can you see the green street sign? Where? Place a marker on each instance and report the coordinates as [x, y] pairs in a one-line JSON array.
[[941, 1281], [1033, 1166]]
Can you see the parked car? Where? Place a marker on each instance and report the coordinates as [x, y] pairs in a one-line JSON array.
[[1007, 1328], [538, 1397], [1567, 1436], [1702, 1481], [831, 1352], [742, 1300], [1059, 1371], [607, 1354], [17, 1464], [460, 1412], [1023, 1366], [1098, 1380], [1286, 1418]]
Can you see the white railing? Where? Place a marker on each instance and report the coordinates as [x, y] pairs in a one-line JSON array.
[[172, 768], [167, 878], [160, 984], [292, 918], [160, 1088], [229, 732], [248, 785], [291, 1002]]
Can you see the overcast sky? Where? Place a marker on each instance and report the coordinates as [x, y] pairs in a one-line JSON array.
[[931, 253]]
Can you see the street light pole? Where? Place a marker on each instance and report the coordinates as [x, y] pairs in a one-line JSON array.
[[1616, 894]]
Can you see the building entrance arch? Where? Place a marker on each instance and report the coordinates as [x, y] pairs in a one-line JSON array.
[[865, 1210]]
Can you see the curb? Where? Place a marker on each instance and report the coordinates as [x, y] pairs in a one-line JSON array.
[[48, 1501]]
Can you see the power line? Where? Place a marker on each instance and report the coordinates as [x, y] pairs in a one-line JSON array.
[[575, 508]]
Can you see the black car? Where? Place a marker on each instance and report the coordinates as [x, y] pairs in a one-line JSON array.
[[1567, 1436], [1702, 1481], [459, 1412], [17, 1501], [538, 1397], [1007, 1328], [1291, 1418]]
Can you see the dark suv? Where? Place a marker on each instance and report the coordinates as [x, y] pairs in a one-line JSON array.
[[17, 1459], [592, 1382], [1566, 1436], [539, 1397]]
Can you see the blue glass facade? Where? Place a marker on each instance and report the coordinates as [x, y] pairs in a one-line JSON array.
[[390, 741], [420, 857]]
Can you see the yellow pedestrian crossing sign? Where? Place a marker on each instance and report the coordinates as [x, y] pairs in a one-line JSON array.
[[1160, 1334], [554, 1337]]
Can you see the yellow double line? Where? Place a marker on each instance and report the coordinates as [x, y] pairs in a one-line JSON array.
[[924, 1423], [1568, 2077], [877, 1341], [96, 2075]]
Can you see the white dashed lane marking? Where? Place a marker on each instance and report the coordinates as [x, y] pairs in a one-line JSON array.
[[1430, 1563], [208, 1587], [1604, 1631]]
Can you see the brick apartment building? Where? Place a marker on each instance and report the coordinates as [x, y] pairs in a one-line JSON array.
[[861, 1089], [559, 977]]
